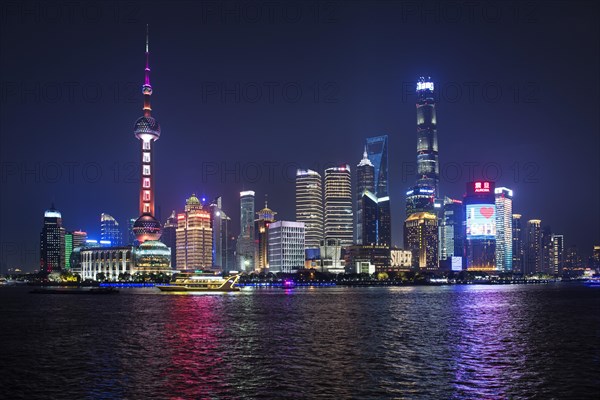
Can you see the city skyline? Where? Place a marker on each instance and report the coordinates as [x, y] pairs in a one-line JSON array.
[[531, 199]]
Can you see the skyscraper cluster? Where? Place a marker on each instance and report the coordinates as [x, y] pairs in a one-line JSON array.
[[341, 220], [479, 232]]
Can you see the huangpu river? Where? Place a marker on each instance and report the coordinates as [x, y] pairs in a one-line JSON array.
[[443, 342]]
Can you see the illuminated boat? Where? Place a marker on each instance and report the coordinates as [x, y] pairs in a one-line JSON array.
[[201, 282]]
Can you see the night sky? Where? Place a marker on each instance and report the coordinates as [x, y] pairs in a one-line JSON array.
[[293, 85]]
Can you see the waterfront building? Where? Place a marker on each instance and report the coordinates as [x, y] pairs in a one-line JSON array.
[[68, 249], [480, 215], [245, 241], [421, 239], [558, 250], [286, 246], [595, 261], [452, 229], [309, 205], [533, 253], [123, 262], [113, 263], [221, 225], [151, 257], [573, 260], [400, 260], [109, 230], [504, 230], [193, 237], [384, 221], [169, 237], [339, 219], [266, 217], [375, 254], [517, 244], [547, 251], [330, 256], [52, 242], [131, 240]]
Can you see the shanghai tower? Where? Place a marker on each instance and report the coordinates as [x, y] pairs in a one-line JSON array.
[[421, 197], [427, 145], [147, 130]]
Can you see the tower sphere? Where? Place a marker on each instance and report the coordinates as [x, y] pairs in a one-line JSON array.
[[147, 126]]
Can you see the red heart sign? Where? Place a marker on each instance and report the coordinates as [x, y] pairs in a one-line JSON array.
[[486, 211]]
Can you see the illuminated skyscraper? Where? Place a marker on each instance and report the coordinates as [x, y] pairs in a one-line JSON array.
[[504, 240], [79, 238], [384, 221], [373, 215], [286, 246], [427, 144], [366, 202], [421, 239], [266, 217], [221, 225], [147, 130], [420, 199], [68, 249], [245, 242], [558, 250], [517, 246], [547, 251], [109, 230], [573, 260], [595, 261], [309, 205], [452, 236], [480, 212], [130, 234], [169, 237], [533, 253], [52, 242], [377, 153], [194, 237], [338, 205]]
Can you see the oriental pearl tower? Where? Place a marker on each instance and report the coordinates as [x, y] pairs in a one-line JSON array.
[[147, 130]]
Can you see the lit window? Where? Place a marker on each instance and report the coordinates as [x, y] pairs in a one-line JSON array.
[[146, 146], [146, 170], [146, 195], [146, 157], [146, 207], [146, 182]]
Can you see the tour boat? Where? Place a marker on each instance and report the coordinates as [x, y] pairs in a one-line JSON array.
[[201, 282]]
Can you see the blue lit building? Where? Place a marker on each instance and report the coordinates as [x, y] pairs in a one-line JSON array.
[[377, 152], [109, 230]]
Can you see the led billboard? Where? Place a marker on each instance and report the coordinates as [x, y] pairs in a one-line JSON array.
[[481, 221]]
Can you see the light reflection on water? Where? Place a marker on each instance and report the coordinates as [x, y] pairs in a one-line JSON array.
[[396, 342]]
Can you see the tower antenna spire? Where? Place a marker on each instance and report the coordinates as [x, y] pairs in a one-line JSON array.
[[147, 87], [147, 27]]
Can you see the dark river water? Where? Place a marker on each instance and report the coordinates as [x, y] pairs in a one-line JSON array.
[[452, 342]]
